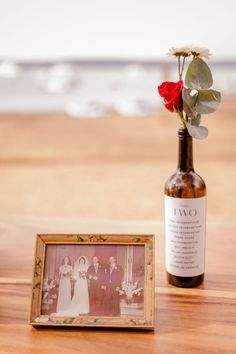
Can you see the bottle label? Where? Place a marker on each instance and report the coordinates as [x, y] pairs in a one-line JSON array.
[[185, 227]]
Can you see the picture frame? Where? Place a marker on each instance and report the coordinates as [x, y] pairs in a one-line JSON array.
[[93, 280]]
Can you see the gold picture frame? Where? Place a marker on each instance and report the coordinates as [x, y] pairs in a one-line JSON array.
[[93, 280]]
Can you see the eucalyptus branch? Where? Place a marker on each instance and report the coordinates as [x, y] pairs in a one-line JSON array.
[[195, 96]]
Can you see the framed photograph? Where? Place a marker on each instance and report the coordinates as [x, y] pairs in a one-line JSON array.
[[93, 280]]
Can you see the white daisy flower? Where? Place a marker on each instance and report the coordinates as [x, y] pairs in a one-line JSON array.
[[200, 52], [180, 51]]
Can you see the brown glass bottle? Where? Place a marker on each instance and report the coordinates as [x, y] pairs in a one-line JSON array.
[[183, 248]]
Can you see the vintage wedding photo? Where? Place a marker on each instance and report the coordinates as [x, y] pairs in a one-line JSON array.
[[93, 280]]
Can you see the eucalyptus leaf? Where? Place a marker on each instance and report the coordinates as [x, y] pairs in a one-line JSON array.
[[208, 101], [189, 103], [198, 75], [197, 132], [187, 97], [196, 120]]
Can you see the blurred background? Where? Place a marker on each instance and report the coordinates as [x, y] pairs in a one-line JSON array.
[[82, 130]]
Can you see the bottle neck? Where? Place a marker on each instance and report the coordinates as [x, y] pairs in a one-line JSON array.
[[185, 158]]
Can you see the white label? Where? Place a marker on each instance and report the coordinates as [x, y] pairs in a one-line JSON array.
[[185, 227]]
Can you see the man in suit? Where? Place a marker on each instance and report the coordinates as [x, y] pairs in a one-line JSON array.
[[96, 277], [114, 277]]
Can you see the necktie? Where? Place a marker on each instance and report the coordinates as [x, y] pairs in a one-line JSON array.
[[111, 269]]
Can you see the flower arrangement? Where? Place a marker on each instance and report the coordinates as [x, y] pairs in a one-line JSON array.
[[129, 290], [49, 294], [48, 286], [194, 96]]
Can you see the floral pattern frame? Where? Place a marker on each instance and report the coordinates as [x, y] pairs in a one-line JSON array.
[[143, 322]]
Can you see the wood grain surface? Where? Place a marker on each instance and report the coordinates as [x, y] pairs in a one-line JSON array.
[[113, 167], [200, 320]]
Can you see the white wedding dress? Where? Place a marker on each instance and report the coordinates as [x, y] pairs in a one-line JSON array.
[[80, 301], [79, 305]]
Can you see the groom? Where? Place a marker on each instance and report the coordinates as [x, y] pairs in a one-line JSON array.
[[114, 277], [96, 277]]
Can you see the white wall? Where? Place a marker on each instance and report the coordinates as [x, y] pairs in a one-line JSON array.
[[33, 29]]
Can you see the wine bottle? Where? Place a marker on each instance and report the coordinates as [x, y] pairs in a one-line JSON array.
[[185, 219]]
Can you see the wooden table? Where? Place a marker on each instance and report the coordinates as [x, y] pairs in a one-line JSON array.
[[201, 320]]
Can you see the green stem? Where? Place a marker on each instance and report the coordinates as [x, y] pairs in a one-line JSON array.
[[180, 114], [179, 67], [182, 69]]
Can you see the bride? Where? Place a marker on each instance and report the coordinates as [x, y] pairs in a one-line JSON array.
[[79, 304], [80, 300]]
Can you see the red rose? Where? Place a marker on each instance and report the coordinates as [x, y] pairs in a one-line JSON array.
[[171, 93]]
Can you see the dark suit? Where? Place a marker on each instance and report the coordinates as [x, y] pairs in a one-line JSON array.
[[114, 277], [96, 278]]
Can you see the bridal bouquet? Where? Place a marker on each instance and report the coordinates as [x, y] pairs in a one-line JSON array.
[[82, 274], [194, 96]]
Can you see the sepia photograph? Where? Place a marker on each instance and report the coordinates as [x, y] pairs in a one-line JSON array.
[[93, 280]]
